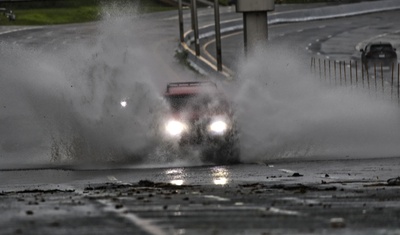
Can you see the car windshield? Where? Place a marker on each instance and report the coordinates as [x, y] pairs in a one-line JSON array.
[[381, 47], [196, 102]]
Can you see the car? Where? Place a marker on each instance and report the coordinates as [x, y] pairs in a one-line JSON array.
[[232, 2], [200, 116], [378, 54]]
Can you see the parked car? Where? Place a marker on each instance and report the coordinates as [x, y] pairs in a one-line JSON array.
[[200, 116], [378, 54]]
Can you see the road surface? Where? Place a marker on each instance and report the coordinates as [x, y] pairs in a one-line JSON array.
[[76, 188]]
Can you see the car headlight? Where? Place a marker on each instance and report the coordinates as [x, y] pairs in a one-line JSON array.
[[123, 103], [218, 127], [175, 128]]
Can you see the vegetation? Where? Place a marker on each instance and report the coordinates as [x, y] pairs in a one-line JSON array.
[[43, 12]]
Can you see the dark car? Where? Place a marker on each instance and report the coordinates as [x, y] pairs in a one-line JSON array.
[[200, 116], [378, 54], [232, 2]]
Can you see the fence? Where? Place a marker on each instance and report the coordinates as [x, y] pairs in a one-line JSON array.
[[354, 73]]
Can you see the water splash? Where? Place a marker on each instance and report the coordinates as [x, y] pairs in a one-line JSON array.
[[284, 111], [64, 106]]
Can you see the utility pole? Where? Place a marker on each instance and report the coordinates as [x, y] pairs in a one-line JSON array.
[[195, 25], [218, 35], [255, 21], [180, 13]]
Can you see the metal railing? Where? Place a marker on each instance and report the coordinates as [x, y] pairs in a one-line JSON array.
[[375, 77]]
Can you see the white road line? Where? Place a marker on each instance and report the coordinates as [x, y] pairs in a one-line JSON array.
[[17, 30], [287, 171], [144, 224], [221, 199], [276, 210]]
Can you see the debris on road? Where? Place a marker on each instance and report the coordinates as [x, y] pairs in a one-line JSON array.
[[394, 181], [337, 223]]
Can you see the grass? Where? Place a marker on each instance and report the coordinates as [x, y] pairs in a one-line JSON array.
[[71, 11], [55, 16], [45, 12]]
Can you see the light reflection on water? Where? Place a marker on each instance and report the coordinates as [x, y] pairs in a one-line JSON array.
[[220, 175], [176, 176]]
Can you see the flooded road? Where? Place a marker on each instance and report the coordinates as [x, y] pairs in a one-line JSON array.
[[68, 150], [344, 196]]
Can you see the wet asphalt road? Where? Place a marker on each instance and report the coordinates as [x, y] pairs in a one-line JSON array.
[[336, 39], [289, 196], [293, 196]]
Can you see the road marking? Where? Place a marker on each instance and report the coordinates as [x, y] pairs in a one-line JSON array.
[[144, 224], [287, 171], [187, 48], [221, 199], [301, 201], [212, 57], [17, 30], [113, 179], [283, 212]]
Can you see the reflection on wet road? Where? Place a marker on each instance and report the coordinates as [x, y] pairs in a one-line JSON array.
[[292, 196]]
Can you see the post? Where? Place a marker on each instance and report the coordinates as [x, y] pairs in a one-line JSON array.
[[356, 73], [392, 82], [383, 89], [196, 27], [218, 35], [312, 61], [376, 83], [340, 71], [319, 67], [351, 74], [334, 68], [362, 74], [392, 74], [344, 71], [180, 13], [329, 70], [324, 69], [255, 21], [315, 67]]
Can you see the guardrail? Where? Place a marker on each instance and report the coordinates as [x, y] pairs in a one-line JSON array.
[[354, 73]]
